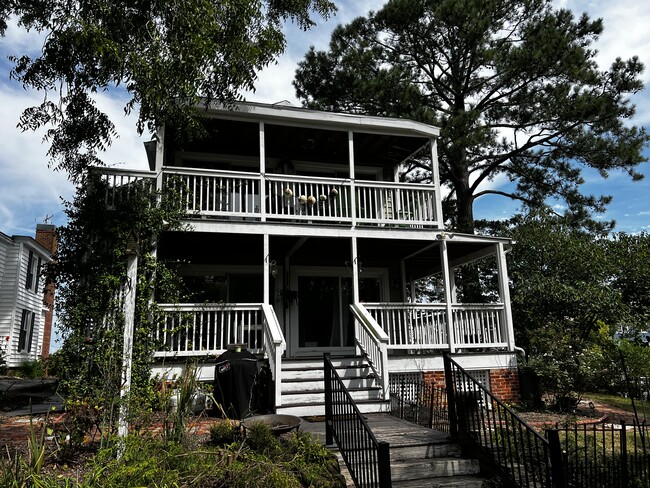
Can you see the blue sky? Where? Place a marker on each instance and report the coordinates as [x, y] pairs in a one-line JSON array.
[[30, 191]]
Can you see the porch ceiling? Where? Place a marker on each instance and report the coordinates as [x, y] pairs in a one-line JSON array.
[[285, 143], [422, 258]]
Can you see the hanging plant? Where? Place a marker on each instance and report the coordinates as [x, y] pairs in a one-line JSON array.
[[334, 193], [311, 200], [288, 192]]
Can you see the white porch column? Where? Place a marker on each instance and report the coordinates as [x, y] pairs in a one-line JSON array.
[[403, 273], [355, 272], [504, 292], [353, 195], [446, 281], [435, 181], [127, 349], [160, 156], [267, 268], [262, 174]]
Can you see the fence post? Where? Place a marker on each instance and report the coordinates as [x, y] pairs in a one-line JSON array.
[[555, 453], [383, 462], [451, 396], [329, 417], [624, 465], [432, 393]]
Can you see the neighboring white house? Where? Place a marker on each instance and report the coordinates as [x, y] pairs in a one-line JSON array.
[[25, 306], [304, 240]]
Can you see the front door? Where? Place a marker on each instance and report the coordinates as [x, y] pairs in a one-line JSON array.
[[321, 317]]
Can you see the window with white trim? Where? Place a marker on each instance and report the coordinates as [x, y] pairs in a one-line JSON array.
[[26, 337], [33, 272]]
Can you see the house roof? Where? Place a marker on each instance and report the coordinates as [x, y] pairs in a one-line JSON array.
[[287, 114]]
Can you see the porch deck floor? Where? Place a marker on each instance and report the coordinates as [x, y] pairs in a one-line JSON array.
[[397, 432]]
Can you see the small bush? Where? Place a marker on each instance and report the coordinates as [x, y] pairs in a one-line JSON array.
[[30, 369], [222, 433], [260, 438]]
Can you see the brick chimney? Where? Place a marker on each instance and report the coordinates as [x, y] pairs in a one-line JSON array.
[[46, 237]]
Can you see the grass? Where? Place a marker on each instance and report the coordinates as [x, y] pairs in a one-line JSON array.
[[643, 407]]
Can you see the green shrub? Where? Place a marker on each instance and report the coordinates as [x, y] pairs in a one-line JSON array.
[[260, 438], [222, 433], [30, 369]]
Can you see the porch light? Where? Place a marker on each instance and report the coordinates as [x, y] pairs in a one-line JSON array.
[[274, 268]]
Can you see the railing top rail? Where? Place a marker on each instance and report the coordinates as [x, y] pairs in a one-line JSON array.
[[274, 326], [494, 399], [124, 172], [394, 184], [207, 307], [210, 172], [369, 323], [408, 305], [301, 178]]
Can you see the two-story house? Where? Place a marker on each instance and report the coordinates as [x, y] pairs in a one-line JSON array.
[[304, 239], [25, 303]]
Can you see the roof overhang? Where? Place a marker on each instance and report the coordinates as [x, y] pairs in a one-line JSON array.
[[289, 115]]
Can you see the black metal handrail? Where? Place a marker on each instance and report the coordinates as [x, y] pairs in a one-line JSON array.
[[496, 434], [367, 459]]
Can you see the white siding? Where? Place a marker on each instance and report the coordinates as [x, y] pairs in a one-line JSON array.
[[14, 298]]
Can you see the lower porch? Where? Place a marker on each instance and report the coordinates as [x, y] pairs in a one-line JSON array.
[[391, 341]]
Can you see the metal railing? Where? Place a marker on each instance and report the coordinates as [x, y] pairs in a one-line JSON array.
[[603, 455], [372, 342], [420, 402], [495, 433], [425, 325], [367, 459]]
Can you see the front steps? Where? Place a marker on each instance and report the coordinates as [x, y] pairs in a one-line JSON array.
[[421, 457], [303, 387]]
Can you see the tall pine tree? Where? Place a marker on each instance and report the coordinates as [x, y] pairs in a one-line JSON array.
[[513, 84]]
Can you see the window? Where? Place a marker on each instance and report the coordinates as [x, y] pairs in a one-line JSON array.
[[33, 272], [26, 331]]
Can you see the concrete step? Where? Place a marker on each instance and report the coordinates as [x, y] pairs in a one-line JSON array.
[[318, 409], [444, 482], [318, 396], [434, 468], [353, 382], [313, 363], [424, 451]]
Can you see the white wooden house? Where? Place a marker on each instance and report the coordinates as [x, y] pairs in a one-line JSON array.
[[304, 241], [25, 310]]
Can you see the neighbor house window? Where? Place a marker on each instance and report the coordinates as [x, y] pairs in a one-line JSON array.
[[33, 272], [26, 331]]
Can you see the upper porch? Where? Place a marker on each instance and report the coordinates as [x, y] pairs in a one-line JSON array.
[[221, 195]]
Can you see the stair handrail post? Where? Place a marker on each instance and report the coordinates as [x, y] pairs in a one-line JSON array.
[[329, 417], [451, 396], [555, 455], [383, 461]]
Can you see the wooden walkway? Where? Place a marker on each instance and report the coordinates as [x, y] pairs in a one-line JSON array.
[[419, 456]]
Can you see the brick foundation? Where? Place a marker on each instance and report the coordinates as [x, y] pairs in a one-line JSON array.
[[504, 383]]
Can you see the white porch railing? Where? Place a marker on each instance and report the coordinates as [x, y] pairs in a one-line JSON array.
[[121, 184], [217, 193], [390, 203], [425, 326], [302, 198], [373, 342], [195, 329]]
